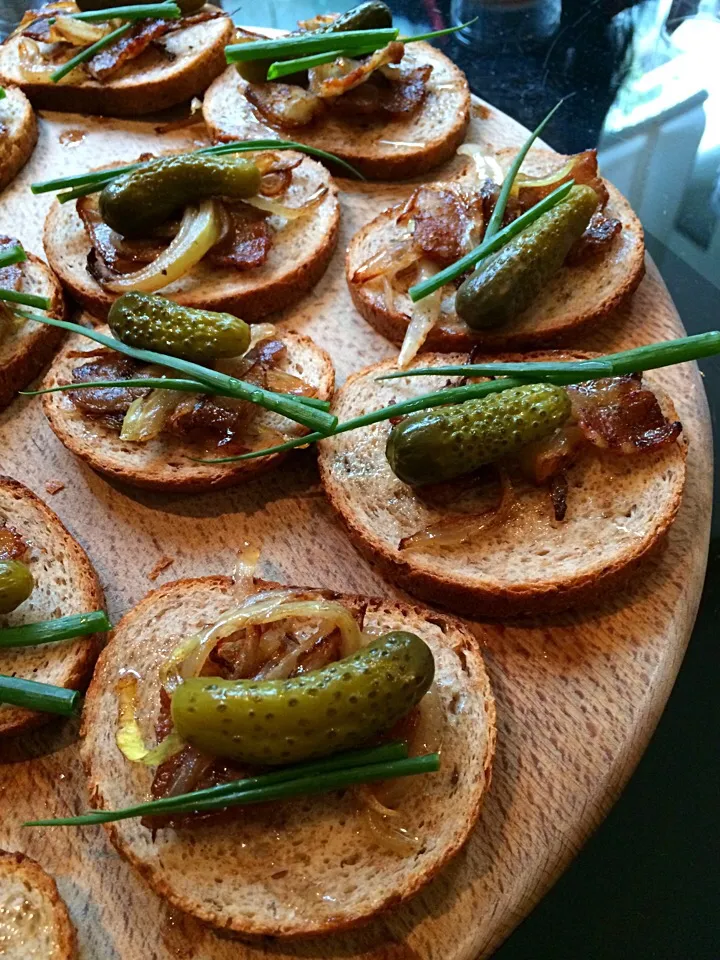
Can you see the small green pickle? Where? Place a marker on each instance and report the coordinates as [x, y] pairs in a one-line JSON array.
[[506, 283], [150, 322], [447, 442], [16, 584], [135, 203], [343, 705], [372, 15]]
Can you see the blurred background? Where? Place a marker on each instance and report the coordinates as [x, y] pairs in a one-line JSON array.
[[645, 79]]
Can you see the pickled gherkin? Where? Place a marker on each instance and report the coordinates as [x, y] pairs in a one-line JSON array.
[[16, 584], [447, 442], [155, 323], [338, 707], [136, 203], [506, 284]]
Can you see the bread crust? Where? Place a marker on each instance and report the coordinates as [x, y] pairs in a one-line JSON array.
[[25, 353], [141, 89], [447, 631], [55, 558], [393, 151], [164, 464], [20, 137], [28, 871], [575, 299], [482, 594], [298, 258]]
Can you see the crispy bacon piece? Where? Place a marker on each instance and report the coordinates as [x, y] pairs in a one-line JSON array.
[[338, 78], [600, 233], [247, 241], [106, 401], [126, 49], [442, 223], [489, 193], [382, 99], [544, 459], [617, 415], [12, 545], [284, 104], [38, 27], [558, 494]]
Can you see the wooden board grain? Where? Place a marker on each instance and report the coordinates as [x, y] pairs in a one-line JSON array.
[[578, 695]]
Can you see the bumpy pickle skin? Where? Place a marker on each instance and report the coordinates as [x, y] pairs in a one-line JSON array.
[[341, 706], [507, 283], [16, 584], [135, 203], [156, 323], [435, 446]]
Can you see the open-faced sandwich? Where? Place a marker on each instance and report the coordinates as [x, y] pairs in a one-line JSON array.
[[215, 694], [210, 229], [34, 923], [114, 58], [348, 84], [25, 348], [542, 490], [51, 618], [18, 133], [410, 270], [261, 386]]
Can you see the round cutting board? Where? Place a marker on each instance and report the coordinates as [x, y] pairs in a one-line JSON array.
[[578, 695]]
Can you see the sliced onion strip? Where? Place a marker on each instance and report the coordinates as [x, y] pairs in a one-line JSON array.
[[283, 210], [424, 315], [128, 736], [147, 416]]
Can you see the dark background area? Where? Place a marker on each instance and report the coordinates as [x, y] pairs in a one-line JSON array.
[[647, 885]]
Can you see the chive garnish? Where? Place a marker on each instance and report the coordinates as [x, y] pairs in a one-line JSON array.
[[2, 94], [141, 11], [89, 52], [14, 254], [26, 299], [44, 697], [282, 403], [488, 246], [305, 44], [50, 631], [280, 785], [94, 180], [637, 360]]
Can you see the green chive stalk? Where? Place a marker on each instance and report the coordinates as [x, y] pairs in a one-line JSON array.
[[42, 697], [89, 52], [52, 631]]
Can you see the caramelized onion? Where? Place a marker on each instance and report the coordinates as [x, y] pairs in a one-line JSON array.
[[36, 68], [283, 210], [78, 32], [147, 416], [345, 74], [129, 737], [199, 231], [388, 261], [244, 572], [385, 825], [461, 528], [424, 315], [486, 167]]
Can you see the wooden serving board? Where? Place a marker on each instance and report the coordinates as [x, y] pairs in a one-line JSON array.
[[578, 695]]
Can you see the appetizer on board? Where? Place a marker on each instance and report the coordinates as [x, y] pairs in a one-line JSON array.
[[567, 269], [25, 348], [213, 229], [82, 57], [35, 921], [250, 691], [147, 435], [536, 498], [393, 107], [51, 616], [18, 133]]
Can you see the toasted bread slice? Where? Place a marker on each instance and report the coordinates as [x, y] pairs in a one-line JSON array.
[[25, 347], [151, 82], [618, 509], [165, 463], [19, 134], [303, 866], [380, 151], [35, 921], [65, 583], [300, 252], [575, 298]]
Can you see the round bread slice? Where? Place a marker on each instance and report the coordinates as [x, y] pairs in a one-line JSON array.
[[65, 584], [618, 509], [165, 463], [394, 150], [25, 346], [35, 924], [300, 252], [303, 866], [576, 297], [151, 82], [18, 134]]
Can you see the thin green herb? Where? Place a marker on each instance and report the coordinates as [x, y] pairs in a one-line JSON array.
[[26, 299], [43, 697], [141, 11], [51, 631], [299, 46], [14, 254], [89, 52]]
